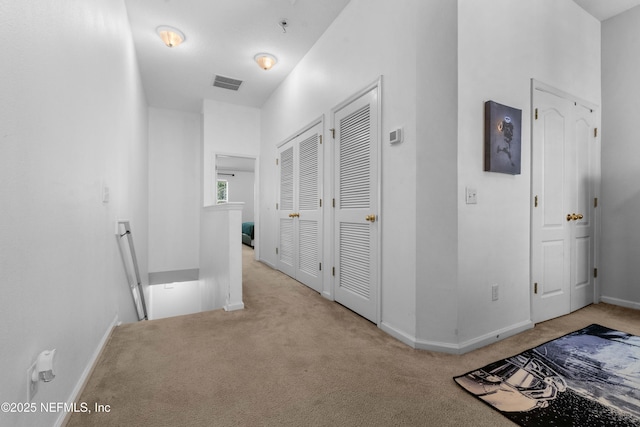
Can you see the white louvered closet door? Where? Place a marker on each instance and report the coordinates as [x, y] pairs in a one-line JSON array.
[[309, 218], [286, 211], [300, 210], [356, 191]]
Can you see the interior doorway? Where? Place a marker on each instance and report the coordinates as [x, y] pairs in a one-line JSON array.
[[240, 175]]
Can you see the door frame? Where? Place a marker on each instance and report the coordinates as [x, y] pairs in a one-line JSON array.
[[537, 85], [377, 85], [256, 191]]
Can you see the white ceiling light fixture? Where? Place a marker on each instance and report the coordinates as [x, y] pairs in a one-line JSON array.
[[265, 60], [171, 37]]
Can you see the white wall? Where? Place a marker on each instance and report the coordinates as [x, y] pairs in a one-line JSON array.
[[502, 45], [436, 301], [174, 189], [620, 167], [368, 39], [73, 118], [228, 129], [440, 64]]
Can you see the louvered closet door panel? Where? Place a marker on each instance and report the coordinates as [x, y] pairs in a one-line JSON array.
[[300, 213], [286, 256], [356, 191], [309, 230]]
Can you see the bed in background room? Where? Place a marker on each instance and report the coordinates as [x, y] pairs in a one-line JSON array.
[[247, 233]]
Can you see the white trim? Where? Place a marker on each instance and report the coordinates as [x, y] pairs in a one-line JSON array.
[[91, 364], [302, 130], [620, 302], [494, 336], [234, 307], [398, 334], [460, 348], [543, 87], [377, 83], [231, 206]]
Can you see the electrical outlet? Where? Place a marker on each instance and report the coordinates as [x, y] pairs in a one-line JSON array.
[[32, 387], [494, 292], [471, 196]]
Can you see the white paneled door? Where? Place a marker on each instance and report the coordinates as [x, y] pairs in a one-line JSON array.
[[300, 208], [356, 205], [564, 181]]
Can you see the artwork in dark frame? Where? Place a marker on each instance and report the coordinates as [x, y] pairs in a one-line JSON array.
[[502, 138]]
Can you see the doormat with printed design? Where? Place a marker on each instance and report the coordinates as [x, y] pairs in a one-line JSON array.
[[589, 377]]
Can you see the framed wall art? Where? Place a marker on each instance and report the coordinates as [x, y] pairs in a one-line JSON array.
[[502, 138]]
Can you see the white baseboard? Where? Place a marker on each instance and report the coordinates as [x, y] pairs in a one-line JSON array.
[[454, 348], [620, 302], [234, 307], [398, 334], [495, 336], [62, 418]]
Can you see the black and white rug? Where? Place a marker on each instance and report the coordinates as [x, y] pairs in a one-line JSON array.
[[589, 377]]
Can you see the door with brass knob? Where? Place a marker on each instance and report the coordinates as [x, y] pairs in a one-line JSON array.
[[564, 180], [299, 251], [356, 225]]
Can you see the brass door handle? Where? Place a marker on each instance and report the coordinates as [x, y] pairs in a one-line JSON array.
[[370, 218], [574, 216], [294, 215]]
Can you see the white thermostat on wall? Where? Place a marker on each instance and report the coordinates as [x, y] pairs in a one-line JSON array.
[[395, 136]]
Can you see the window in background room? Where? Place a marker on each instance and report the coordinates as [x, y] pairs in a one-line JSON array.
[[223, 191]]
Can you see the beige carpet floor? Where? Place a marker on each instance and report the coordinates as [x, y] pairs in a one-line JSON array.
[[293, 358]]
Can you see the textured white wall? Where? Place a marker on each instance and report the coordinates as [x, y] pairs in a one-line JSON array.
[[73, 117], [174, 189], [620, 159], [502, 45]]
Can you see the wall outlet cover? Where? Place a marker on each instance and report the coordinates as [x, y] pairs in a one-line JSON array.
[[471, 196]]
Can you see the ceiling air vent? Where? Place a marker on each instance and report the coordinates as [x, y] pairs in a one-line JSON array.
[[226, 83]]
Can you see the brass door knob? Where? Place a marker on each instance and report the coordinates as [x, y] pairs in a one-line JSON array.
[[370, 218], [574, 216], [294, 215]]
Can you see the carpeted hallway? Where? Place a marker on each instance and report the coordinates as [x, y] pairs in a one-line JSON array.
[[294, 358]]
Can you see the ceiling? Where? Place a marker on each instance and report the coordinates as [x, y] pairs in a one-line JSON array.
[[223, 36], [605, 9]]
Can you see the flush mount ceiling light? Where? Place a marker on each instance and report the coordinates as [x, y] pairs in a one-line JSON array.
[[171, 37], [265, 60]]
